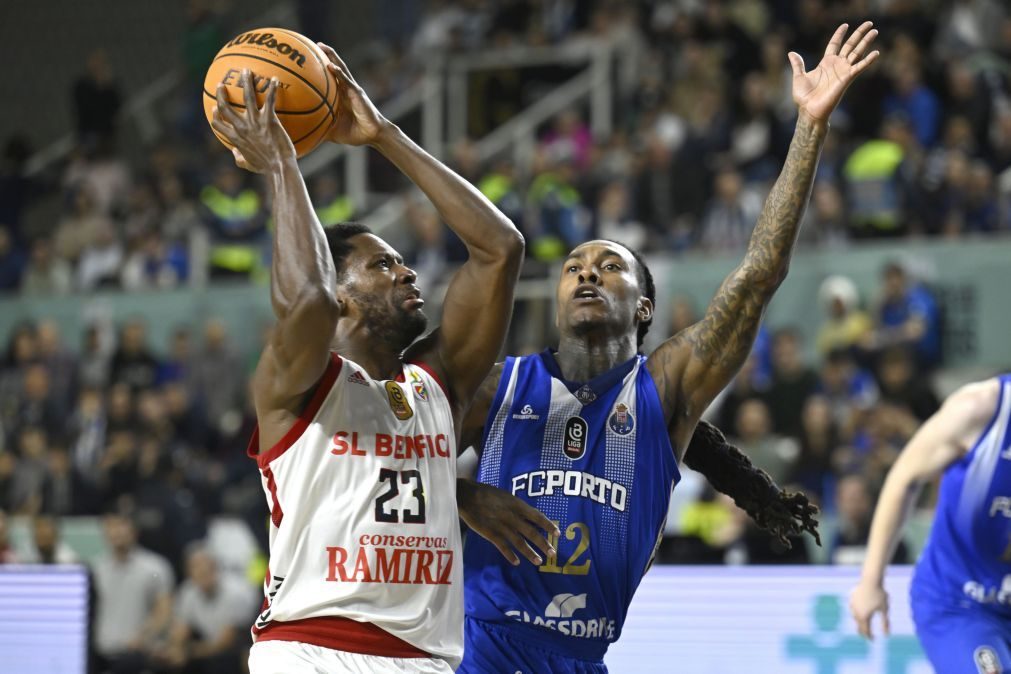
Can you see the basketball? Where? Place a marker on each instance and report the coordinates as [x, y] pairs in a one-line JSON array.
[[306, 91]]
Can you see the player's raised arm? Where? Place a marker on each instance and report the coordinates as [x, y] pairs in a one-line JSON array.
[[942, 440], [696, 364], [302, 276], [478, 303]]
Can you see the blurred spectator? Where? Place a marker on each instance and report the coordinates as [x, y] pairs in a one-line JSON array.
[[81, 226], [845, 325], [47, 548], [731, 215], [332, 206], [133, 363], [902, 384], [178, 364], [792, 382], [847, 387], [212, 614], [907, 316], [428, 257], [217, 375], [64, 491], [819, 436], [499, 185], [39, 406], [101, 260], [569, 140], [614, 219], [88, 426], [22, 351], [7, 554], [875, 185], [181, 219], [59, 362], [855, 508], [46, 274], [772, 453], [12, 261], [825, 222], [237, 220], [95, 359], [17, 188], [133, 600], [154, 264], [96, 100], [915, 100], [555, 211]]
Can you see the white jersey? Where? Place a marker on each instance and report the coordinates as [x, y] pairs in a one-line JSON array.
[[364, 524]]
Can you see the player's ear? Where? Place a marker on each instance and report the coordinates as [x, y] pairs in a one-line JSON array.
[[644, 309]]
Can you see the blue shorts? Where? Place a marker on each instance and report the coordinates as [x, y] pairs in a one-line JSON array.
[[958, 639], [494, 648]]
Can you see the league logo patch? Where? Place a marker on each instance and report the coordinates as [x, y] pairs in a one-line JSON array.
[[398, 402], [987, 661], [574, 438], [621, 421], [418, 386]]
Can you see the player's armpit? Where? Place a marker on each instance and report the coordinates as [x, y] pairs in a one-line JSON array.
[[472, 431], [506, 521]]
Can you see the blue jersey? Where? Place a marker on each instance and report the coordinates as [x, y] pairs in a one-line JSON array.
[[967, 559], [596, 458]]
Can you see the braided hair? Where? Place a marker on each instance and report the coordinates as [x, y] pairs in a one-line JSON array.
[[728, 469]]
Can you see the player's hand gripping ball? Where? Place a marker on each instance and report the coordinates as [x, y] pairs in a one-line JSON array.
[[306, 90]]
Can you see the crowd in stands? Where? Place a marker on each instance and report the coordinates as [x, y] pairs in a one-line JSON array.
[[702, 121]]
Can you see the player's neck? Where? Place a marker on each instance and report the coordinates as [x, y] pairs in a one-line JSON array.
[[378, 363], [581, 358]]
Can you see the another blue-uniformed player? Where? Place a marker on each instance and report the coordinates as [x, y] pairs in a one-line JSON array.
[[591, 434], [961, 591]]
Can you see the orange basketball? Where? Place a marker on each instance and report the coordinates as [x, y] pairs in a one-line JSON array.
[[306, 91]]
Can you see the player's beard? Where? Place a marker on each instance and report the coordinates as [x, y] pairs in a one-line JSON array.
[[393, 325]]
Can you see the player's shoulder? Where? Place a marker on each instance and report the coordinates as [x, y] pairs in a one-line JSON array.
[[976, 401]]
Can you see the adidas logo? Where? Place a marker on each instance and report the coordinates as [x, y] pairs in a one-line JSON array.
[[357, 377]]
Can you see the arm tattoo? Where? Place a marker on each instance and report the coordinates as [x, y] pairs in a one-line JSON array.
[[724, 337]]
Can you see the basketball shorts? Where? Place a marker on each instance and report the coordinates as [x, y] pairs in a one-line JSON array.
[[957, 639], [491, 648], [293, 657]]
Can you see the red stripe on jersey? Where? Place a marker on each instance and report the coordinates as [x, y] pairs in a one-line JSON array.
[[326, 382], [431, 373], [340, 634], [276, 514]]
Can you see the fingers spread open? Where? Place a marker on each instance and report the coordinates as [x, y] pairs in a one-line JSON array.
[[249, 92], [855, 38], [835, 44], [858, 51], [225, 109]]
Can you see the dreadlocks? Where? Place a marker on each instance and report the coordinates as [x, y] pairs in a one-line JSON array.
[[728, 469]]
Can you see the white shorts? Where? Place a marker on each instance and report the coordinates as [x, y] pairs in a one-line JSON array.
[[293, 657]]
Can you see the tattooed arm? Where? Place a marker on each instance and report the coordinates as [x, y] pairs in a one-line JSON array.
[[694, 365]]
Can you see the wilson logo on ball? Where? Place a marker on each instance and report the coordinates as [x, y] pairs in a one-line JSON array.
[[267, 40]]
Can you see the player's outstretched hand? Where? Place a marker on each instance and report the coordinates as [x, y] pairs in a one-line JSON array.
[[358, 121], [505, 520], [819, 91], [259, 141], [866, 600]]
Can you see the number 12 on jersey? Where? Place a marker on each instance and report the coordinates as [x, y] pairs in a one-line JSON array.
[[415, 515], [571, 566]]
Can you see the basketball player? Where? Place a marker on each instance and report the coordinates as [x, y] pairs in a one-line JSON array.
[[961, 592], [591, 434], [355, 439]]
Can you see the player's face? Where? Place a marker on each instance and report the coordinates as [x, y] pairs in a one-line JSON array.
[[599, 288], [383, 292]]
